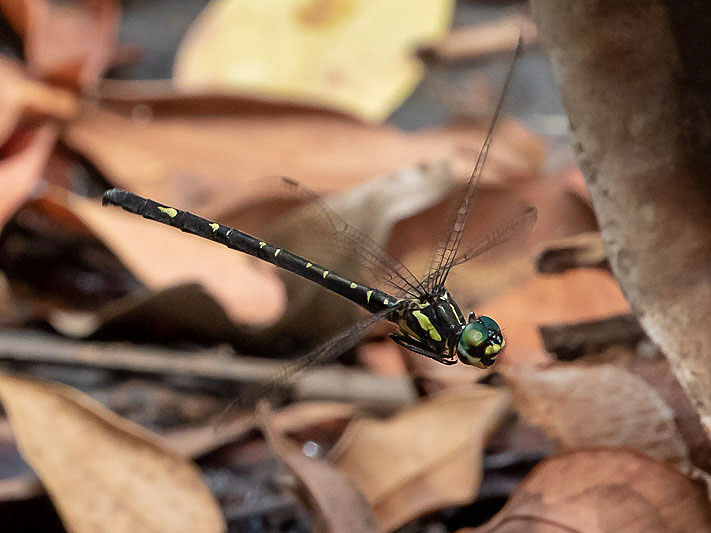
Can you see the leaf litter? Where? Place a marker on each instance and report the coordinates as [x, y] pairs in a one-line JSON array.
[[201, 149], [101, 471]]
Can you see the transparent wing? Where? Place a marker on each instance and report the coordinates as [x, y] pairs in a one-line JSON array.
[[315, 232], [325, 353], [445, 254], [512, 233]]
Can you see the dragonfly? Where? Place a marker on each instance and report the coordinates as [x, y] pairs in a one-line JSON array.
[[427, 320]]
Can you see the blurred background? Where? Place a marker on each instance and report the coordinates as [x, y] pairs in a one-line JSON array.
[[132, 355]]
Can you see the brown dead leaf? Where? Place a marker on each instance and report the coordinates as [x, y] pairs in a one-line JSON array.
[[573, 296], [604, 490], [68, 43], [425, 458], [20, 173], [161, 257], [335, 503], [103, 472], [197, 153], [24, 97], [582, 406]]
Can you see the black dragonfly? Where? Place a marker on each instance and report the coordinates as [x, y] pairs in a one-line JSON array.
[[427, 318]]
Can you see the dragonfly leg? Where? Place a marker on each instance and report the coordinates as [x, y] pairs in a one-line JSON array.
[[410, 344]]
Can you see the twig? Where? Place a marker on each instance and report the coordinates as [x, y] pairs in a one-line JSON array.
[[579, 251], [213, 365], [570, 341]]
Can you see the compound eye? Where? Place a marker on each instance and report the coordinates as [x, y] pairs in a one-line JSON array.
[[489, 323], [474, 334]]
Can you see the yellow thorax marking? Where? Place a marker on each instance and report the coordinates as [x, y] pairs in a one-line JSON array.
[[325, 273], [427, 325], [277, 252], [354, 285], [215, 226], [262, 244], [309, 265]]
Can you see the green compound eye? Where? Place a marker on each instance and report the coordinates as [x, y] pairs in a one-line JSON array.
[[474, 334], [489, 323], [480, 342]]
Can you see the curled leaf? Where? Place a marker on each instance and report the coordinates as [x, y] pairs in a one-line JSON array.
[[601, 405], [426, 457], [605, 490], [335, 502], [101, 471]]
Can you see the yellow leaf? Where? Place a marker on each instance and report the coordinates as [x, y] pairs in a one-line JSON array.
[[102, 472], [354, 55]]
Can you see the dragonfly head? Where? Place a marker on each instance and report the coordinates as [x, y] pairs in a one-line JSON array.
[[480, 342]]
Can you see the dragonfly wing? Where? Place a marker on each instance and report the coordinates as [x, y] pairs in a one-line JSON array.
[[512, 234], [316, 232], [446, 253], [329, 351]]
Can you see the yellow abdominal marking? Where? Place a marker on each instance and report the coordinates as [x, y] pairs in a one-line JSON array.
[[277, 252], [385, 301], [494, 348], [368, 295], [325, 273], [354, 285], [427, 325], [215, 226], [172, 213], [309, 265], [262, 244], [503, 342]]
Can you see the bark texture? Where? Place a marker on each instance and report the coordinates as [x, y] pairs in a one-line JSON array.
[[635, 78]]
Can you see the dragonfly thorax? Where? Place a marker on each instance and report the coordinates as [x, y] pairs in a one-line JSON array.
[[436, 326]]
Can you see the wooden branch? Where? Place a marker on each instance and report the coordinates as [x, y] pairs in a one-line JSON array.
[[570, 341], [214, 365], [579, 251]]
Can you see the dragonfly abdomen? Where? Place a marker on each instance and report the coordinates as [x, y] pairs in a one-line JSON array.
[[370, 298]]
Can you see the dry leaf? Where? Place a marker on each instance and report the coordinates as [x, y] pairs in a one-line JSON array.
[[573, 296], [604, 490], [102, 472], [335, 503], [199, 153], [582, 406], [69, 43], [356, 56], [20, 173], [161, 257], [425, 458]]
